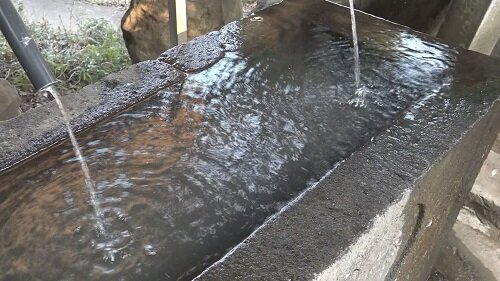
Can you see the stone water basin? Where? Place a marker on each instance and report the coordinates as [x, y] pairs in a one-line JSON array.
[[252, 117]]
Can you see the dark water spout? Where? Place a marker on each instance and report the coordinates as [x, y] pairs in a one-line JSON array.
[[25, 48]]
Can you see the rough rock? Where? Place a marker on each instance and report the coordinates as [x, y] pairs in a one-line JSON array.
[[145, 25], [9, 100]]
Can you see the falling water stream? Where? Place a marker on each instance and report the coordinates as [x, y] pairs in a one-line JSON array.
[[85, 169], [360, 92], [357, 71]]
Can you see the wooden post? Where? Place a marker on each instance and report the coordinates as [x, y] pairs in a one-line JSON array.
[[181, 12]]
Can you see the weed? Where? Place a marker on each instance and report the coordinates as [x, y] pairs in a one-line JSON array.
[[78, 58]]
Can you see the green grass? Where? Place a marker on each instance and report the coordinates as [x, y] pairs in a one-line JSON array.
[[78, 58]]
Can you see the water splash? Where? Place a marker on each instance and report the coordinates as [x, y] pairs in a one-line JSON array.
[[357, 71], [359, 99], [360, 93], [85, 169]]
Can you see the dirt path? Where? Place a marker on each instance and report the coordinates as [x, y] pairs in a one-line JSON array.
[[67, 13]]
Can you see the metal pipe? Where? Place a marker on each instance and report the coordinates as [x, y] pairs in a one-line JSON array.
[[24, 47]]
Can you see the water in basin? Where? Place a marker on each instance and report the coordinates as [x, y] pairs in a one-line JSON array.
[[187, 174]]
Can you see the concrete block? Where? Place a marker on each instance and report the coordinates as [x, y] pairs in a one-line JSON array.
[[463, 20], [481, 251], [473, 25], [471, 251], [484, 198]]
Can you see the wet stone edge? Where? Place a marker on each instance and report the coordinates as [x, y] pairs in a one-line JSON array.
[[42, 127], [204, 51], [309, 236]]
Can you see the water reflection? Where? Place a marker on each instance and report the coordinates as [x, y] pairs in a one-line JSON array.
[[189, 173]]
